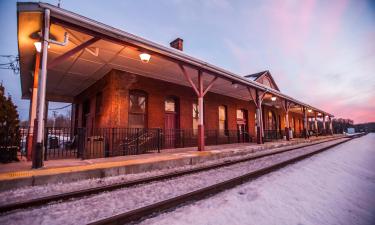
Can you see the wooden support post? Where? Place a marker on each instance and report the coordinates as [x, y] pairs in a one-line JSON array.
[[330, 125], [286, 107], [200, 92], [324, 124], [316, 125], [71, 52], [201, 143], [305, 128], [287, 121], [257, 99], [259, 118]]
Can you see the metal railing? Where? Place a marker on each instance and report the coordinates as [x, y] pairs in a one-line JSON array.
[[60, 143], [64, 142], [180, 138], [273, 135]]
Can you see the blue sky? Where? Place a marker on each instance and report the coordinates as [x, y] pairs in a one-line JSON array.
[[320, 52]]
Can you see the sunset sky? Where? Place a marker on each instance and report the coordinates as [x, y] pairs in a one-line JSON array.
[[320, 52]]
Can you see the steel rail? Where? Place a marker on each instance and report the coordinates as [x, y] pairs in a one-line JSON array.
[[142, 213], [95, 190]]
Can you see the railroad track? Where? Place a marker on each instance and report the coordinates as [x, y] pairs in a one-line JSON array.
[[96, 190], [148, 211]]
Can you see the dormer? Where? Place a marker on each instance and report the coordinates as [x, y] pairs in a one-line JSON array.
[[264, 78]]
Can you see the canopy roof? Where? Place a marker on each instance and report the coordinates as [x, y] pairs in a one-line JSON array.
[[114, 49]]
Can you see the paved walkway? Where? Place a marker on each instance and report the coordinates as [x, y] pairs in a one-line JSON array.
[[73, 169]]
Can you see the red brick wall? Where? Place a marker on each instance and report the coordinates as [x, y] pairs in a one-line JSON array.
[[115, 88]]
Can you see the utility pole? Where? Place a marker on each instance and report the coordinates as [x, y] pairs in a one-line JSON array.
[[54, 112]]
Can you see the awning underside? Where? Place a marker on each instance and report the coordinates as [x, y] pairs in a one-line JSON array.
[[72, 76]]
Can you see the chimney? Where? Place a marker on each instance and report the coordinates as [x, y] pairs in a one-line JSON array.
[[177, 44]]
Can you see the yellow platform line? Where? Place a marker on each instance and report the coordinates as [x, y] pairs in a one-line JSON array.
[[101, 165]]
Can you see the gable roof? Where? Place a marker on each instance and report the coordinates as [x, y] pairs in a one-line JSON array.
[[257, 77]]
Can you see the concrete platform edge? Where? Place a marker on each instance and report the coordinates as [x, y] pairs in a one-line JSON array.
[[66, 177]]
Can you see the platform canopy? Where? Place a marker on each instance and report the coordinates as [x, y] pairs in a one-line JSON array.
[[94, 49]]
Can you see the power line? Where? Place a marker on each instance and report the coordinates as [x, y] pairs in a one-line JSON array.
[[11, 64], [61, 107]]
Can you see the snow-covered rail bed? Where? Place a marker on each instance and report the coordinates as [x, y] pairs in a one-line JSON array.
[[335, 187], [82, 211]]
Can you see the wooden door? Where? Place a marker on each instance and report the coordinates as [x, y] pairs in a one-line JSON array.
[[242, 128], [241, 132], [170, 130]]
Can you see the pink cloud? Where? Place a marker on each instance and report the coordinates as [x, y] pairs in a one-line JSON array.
[[360, 113]]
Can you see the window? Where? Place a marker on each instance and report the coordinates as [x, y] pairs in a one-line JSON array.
[[240, 114], [195, 118], [137, 109], [222, 119], [293, 124], [98, 103], [170, 105]]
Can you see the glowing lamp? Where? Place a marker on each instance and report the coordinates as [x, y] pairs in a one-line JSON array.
[[319, 114], [273, 98], [309, 110], [234, 85], [38, 46], [145, 57]]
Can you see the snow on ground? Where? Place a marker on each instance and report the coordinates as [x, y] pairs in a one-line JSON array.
[[333, 187], [107, 204], [27, 193]]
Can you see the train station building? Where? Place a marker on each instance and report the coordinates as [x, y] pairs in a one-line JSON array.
[[130, 95]]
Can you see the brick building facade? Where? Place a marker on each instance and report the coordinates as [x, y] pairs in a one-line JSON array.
[[108, 106]]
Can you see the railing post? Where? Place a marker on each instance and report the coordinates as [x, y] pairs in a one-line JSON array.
[[137, 141], [158, 137], [112, 147], [183, 138], [81, 143], [46, 143], [217, 136]]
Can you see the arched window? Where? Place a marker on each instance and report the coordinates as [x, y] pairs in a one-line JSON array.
[[223, 124], [271, 121], [137, 109]]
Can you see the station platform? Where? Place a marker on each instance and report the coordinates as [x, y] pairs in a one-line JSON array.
[[20, 174]]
